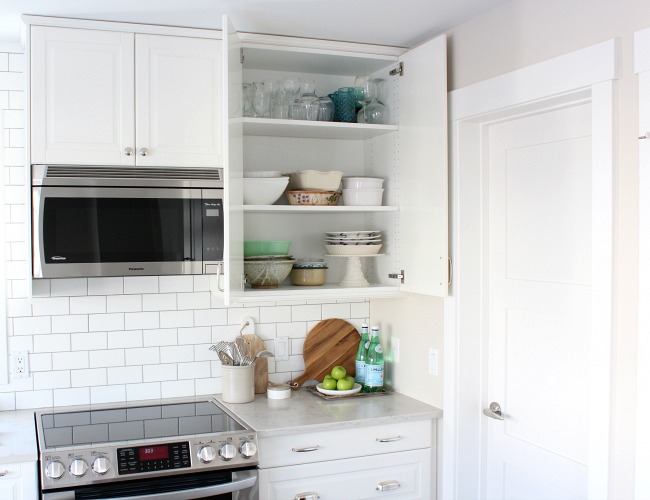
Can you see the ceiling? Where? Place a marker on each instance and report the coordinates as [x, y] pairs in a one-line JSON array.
[[402, 23]]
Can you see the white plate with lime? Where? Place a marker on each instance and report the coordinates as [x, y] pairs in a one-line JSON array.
[[335, 392]]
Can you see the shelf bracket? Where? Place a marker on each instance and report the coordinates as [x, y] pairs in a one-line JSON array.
[[397, 276], [399, 71]]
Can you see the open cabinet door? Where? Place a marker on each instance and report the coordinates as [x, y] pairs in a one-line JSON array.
[[233, 165], [423, 169]]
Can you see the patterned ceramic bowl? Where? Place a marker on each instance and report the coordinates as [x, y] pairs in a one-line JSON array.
[[267, 273], [309, 197]]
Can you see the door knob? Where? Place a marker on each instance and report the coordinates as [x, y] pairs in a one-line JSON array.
[[494, 411]]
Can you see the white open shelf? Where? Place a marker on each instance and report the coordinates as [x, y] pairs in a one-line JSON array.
[[287, 209], [314, 129], [327, 291]]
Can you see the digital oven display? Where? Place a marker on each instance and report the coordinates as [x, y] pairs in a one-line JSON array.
[[153, 453]]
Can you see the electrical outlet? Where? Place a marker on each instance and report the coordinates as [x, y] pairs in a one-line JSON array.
[[433, 361], [20, 364], [282, 349], [394, 345]]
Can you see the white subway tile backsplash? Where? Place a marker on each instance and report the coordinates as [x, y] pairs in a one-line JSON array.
[[108, 394], [50, 306], [18, 307], [16, 62], [34, 399], [195, 335], [176, 354], [360, 310], [86, 305], [70, 287], [296, 363], [16, 101], [140, 284], [107, 358], [159, 373], [70, 324], [41, 288], [4, 61], [202, 352], [296, 346], [159, 302], [68, 397], [196, 300], [123, 303], [236, 314], [20, 342], [266, 331], [89, 377], [40, 362], [280, 314], [125, 339], [160, 337], [293, 330], [306, 313], [176, 319], [197, 369], [54, 342], [209, 317], [70, 360], [51, 380], [207, 386], [89, 341], [336, 311], [176, 284], [143, 356], [142, 320], [202, 283], [106, 322], [125, 375], [105, 286], [7, 401], [136, 392], [177, 389]]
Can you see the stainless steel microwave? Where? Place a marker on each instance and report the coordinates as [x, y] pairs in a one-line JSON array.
[[126, 221]]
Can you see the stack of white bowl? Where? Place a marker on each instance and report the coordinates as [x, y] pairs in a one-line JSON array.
[[362, 191], [264, 187], [353, 242]]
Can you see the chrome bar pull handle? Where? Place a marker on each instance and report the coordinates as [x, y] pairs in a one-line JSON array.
[[494, 411], [388, 485], [308, 495], [306, 449], [645, 136], [388, 439]]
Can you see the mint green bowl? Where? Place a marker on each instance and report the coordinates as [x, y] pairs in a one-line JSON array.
[[255, 248]]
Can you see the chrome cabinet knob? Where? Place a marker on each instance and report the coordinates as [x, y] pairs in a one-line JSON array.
[[78, 467], [248, 449], [143, 151], [227, 452], [494, 411], [207, 454], [54, 470], [128, 151], [101, 465]]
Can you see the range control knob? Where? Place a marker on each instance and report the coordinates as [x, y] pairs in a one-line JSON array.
[[54, 470], [101, 465], [207, 454], [227, 452], [248, 449], [78, 467]]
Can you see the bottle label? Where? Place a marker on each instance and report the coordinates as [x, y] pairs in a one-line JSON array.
[[360, 376], [375, 375], [378, 349], [367, 344]]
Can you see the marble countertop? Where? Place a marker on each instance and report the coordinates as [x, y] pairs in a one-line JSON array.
[[306, 412], [17, 437]]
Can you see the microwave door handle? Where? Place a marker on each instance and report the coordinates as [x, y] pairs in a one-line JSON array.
[[204, 492]]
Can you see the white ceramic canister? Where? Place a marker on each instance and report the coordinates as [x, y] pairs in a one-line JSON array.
[[238, 383]]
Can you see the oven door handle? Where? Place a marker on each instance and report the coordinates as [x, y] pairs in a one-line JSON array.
[[207, 491]]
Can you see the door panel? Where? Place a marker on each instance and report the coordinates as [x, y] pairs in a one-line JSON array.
[[178, 101], [539, 303], [82, 96]]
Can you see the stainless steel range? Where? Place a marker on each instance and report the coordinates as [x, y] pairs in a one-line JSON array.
[[176, 450]]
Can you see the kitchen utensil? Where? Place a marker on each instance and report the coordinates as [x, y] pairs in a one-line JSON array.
[[225, 358], [330, 343], [254, 346], [264, 354], [219, 346], [242, 348]]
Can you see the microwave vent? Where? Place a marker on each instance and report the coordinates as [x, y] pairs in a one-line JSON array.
[[63, 171]]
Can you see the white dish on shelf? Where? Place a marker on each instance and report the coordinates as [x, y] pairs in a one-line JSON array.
[[353, 234], [352, 250], [360, 238], [336, 392]]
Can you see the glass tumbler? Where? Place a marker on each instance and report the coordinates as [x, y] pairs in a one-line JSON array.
[[261, 100], [247, 99], [344, 105], [325, 109], [306, 106]]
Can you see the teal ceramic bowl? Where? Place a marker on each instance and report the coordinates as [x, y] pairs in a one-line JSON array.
[[254, 248]]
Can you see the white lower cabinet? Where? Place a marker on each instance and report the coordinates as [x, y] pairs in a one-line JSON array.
[[381, 461], [18, 481], [404, 475]]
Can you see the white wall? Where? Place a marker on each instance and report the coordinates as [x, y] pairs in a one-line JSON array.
[[529, 31]]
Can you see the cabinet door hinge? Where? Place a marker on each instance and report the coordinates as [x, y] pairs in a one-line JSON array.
[[399, 71], [241, 55], [397, 276], [244, 281]]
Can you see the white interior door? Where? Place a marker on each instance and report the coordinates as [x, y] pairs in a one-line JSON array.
[[538, 304]]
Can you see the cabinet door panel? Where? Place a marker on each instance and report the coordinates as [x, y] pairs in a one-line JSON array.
[[82, 96], [178, 101]]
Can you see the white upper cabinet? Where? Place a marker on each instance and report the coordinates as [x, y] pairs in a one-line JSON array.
[[114, 98], [409, 151]]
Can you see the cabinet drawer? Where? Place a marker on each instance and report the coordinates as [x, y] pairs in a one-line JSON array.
[[9, 472], [344, 443], [404, 475]]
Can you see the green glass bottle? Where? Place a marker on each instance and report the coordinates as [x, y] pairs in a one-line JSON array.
[[360, 365], [374, 380]]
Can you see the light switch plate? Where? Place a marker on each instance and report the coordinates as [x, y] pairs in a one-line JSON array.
[[282, 349], [394, 346], [433, 361]]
